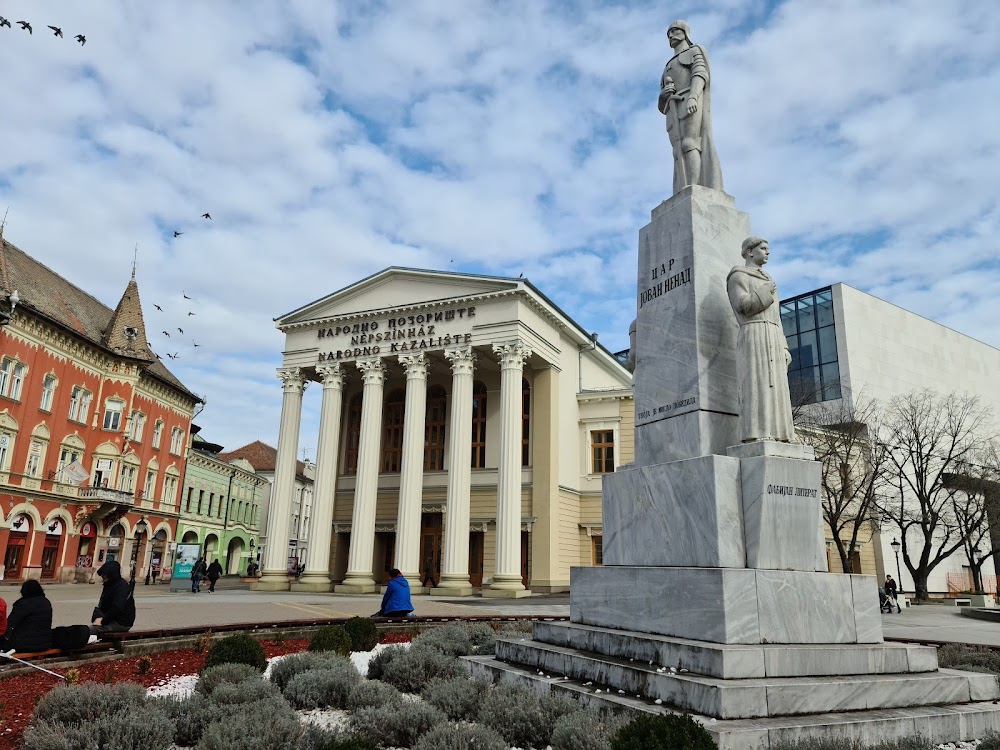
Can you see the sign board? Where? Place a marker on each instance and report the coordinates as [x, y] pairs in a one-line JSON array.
[[105, 464], [184, 559], [54, 527], [21, 522], [87, 530], [114, 541], [4, 440]]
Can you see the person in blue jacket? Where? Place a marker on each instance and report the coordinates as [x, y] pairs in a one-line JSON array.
[[396, 600]]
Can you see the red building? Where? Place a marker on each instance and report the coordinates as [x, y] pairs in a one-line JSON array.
[[93, 430]]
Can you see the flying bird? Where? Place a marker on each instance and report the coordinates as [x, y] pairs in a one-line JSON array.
[[56, 31], [81, 39], [181, 330], [184, 295], [195, 342], [165, 334], [157, 307], [25, 25], [206, 215], [191, 313], [172, 356], [4, 22], [177, 234]]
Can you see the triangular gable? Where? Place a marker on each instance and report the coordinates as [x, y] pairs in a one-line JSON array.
[[397, 287]]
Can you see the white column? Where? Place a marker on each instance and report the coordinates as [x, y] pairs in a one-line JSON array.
[[507, 579], [455, 565], [274, 568], [411, 481], [317, 573], [360, 578]]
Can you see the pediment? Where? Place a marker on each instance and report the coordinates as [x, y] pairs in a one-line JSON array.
[[397, 287]]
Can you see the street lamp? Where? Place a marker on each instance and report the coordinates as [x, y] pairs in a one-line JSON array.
[[895, 548], [7, 307]]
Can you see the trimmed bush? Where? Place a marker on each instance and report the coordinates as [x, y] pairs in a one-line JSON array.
[[71, 705], [142, 728], [461, 737], [236, 649], [322, 688], [451, 639], [399, 725], [315, 738], [969, 658], [331, 638], [363, 633], [254, 730], [232, 694], [372, 694], [649, 732], [284, 670], [587, 730], [990, 742], [211, 678], [190, 717], [459, 698], [414, 668], [482, 637], [378, 663], [522, 717], [904, 743]]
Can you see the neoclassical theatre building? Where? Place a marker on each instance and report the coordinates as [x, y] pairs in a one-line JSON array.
[[465, 425]]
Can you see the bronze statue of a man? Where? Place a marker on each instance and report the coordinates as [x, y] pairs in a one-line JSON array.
[[686, 100]]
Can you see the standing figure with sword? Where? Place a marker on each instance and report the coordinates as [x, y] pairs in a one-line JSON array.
[[686, 100]]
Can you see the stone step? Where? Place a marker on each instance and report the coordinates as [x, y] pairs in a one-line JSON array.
[[750, 698], [936, 723], [739, 661]]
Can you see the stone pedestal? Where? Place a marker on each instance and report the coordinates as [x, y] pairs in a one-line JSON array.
[[685, 374]]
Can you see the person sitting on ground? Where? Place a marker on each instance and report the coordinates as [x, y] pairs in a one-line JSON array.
[[29, 626], [214, 573], [396, 600], [115, 613]]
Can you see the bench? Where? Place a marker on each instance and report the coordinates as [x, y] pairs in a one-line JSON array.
[[959, 602], [36, 654]]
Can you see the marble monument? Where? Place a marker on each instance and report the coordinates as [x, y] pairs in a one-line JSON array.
[[714, 596]]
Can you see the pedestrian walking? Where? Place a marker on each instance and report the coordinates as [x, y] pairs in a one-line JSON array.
[[197, 573], [396, 600], [214, 573], [29, 626], [115, 612], [429, 573], [891, 591]]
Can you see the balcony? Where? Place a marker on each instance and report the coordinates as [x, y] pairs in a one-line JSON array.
[[105, 494], [50, 486]]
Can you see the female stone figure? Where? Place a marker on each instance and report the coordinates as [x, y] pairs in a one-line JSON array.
[[762, 356]]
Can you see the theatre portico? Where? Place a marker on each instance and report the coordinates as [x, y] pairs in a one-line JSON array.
[[465, 426]]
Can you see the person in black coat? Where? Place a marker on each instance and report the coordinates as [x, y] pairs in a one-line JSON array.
[[115, 613], [29, 625], [214, 573]]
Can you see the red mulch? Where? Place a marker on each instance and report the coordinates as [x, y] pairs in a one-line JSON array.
[[20, 694]]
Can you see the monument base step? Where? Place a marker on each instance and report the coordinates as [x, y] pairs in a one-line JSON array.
[[740, 661], [753, 697], [936, 723]]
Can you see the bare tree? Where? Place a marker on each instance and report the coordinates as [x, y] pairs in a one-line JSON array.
[[930, 440], [978, 485], [853, 468]]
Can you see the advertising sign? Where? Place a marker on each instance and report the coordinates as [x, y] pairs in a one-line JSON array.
[[184, 559]]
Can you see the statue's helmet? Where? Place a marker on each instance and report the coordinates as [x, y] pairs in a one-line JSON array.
[[683, 26]]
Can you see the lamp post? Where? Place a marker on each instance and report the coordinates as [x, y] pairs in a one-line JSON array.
[[7, 307], [895, 548], [140, 528]]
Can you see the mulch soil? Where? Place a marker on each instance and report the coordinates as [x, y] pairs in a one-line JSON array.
[[20, 694]]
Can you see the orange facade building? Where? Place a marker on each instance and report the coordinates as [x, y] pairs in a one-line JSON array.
[[94, 431]]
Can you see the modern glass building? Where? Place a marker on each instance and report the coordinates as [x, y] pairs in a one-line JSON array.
[[810, 328]]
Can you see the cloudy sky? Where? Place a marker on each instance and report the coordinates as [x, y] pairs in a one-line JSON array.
[[332, 139]]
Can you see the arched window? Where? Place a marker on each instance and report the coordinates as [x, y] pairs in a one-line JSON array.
[[392, 432], [434, 429], [479, 425], [353, 436], [525, 422]]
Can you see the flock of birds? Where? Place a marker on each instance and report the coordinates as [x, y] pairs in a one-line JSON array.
[[56, 31], [190, 313]]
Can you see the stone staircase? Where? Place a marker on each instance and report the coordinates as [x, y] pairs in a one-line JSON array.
[[749, 696]]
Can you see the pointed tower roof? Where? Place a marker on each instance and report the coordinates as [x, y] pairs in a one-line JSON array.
[[126, 333]]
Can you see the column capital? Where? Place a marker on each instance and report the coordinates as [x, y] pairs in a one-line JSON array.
[[415, 365], [372, 370], [333, 375], [292, 379], [512, 354], [463, 361]]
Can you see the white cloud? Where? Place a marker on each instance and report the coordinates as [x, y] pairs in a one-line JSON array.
[[330, 140]]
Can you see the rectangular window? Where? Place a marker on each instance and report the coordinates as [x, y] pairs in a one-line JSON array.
[[169, 490], [190, 496], [810, 330], [602, 444], [31, 469], [147, 488], [66, 457], [176, 441], [113, 414], [157, 434], [136, 425], [79, 404], [48, 392], [6, 366], [201, 500], [598, 549], [126, 482], [6, 448], [17, 381]]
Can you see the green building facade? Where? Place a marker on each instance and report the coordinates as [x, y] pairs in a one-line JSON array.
[[220, 506]]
